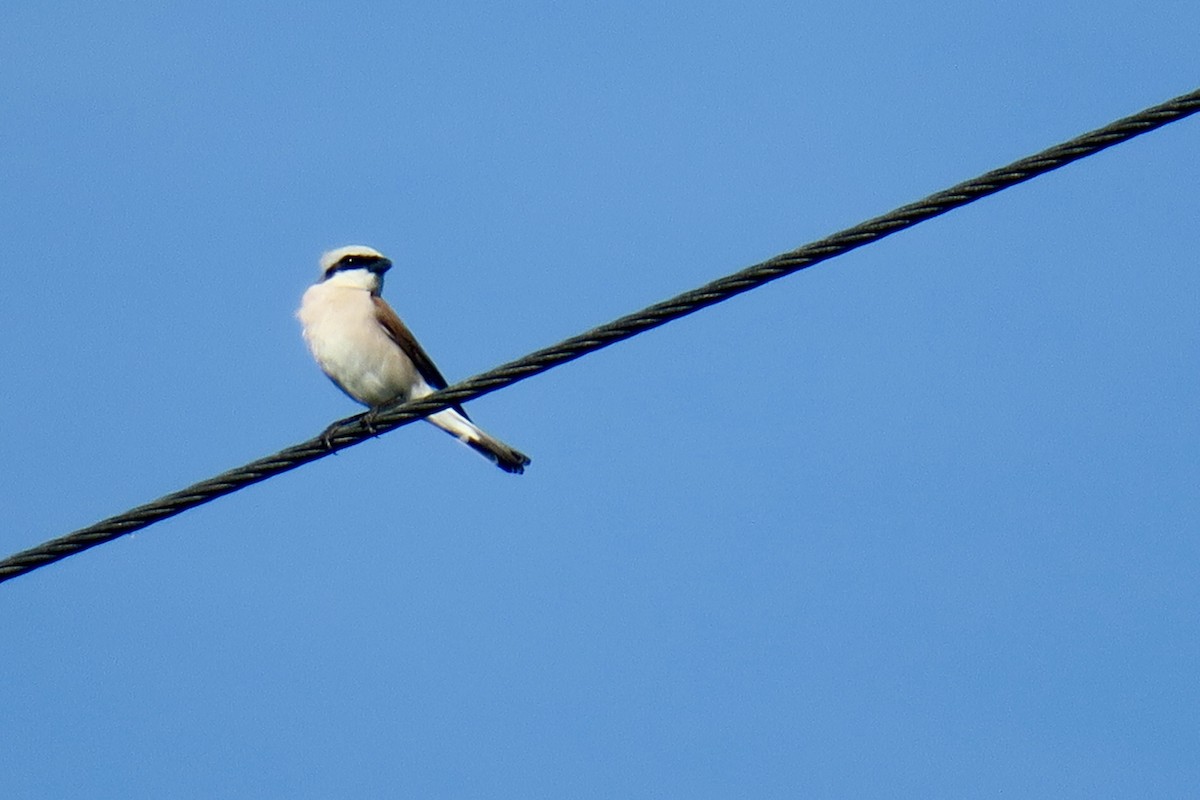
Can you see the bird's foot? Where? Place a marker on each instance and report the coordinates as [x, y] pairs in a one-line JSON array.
[[327, 434]]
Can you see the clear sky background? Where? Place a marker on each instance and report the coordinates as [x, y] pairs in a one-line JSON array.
[[919, 522]]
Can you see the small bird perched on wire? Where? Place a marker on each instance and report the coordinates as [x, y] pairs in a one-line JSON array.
[[364, 348]]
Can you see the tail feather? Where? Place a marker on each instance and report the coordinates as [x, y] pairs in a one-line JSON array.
[[506, 458], [496, 451]]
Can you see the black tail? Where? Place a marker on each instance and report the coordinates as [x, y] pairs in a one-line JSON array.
[[500, 454]]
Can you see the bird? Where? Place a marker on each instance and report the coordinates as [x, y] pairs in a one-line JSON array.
[[364, 347]]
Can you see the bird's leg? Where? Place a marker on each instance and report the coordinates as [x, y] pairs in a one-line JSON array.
[[327, 434]]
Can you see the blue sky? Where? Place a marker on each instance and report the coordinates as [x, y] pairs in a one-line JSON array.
[[920, 522]]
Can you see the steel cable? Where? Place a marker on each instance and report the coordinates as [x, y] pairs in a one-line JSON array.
[[356, 430]]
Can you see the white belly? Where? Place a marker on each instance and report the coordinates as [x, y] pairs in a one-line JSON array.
[[351, 347]]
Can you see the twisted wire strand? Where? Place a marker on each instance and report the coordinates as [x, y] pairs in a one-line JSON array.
[[355, 430]]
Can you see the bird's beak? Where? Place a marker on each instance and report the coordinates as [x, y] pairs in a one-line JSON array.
[[381, 266]]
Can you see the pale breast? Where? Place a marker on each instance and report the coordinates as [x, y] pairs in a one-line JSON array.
[[350, 346]]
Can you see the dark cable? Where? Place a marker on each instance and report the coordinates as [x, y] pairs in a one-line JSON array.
[[355, 431]]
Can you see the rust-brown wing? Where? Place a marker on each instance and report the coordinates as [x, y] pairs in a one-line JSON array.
[[399, 333]]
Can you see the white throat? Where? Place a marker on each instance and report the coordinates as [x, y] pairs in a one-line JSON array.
[[356, 279]]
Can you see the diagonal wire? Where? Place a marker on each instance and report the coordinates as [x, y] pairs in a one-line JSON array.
[[354, 431]]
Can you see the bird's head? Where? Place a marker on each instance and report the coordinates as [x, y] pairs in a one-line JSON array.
[[355, 265]]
